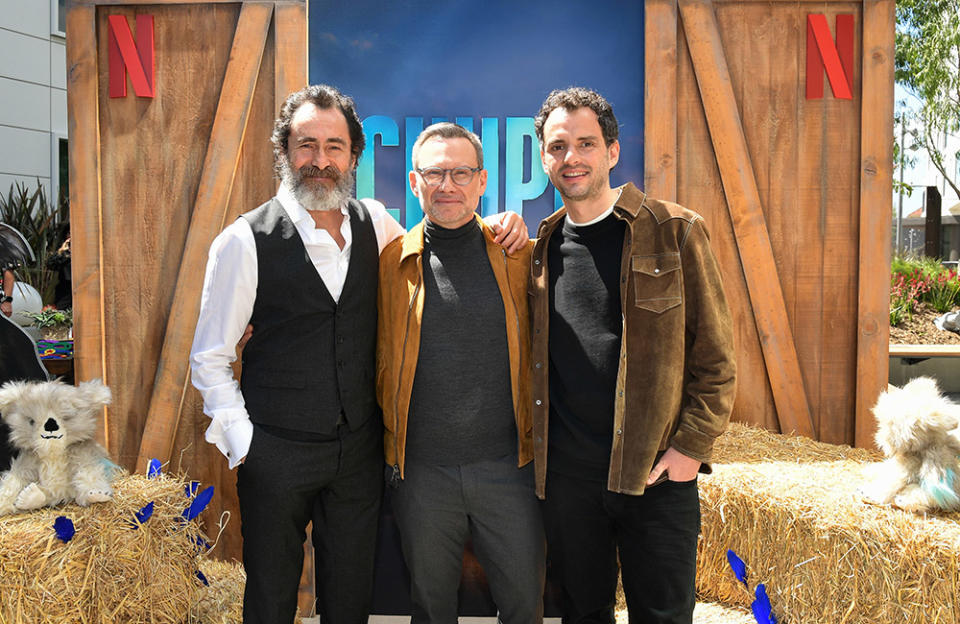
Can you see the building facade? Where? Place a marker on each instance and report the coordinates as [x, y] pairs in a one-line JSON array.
[[33, 95]]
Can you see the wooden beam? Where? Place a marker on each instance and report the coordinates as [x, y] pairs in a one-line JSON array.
[[290, 34], [923, 351], [660, 100], [86, 247], [876, 190], [213, 196], [746, 212]]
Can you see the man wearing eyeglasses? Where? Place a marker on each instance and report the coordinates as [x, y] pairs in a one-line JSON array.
[[452, 378]]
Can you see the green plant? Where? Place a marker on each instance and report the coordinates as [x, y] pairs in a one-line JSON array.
[[44, 226], [944, 287], [52, 317], [905, 292], [921, 279]]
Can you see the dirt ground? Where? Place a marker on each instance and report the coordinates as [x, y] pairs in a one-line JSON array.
[[921, 330]]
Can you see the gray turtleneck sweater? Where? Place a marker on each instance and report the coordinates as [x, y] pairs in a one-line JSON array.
[[461, 409]]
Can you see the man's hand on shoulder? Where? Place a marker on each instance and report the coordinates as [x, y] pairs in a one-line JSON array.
[[510, 231], [678, 466]]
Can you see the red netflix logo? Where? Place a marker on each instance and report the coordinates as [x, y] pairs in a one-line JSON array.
[[129, 57], [825, 55]]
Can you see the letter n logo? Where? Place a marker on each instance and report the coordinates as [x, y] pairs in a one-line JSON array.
[[128, 57], [823, 54]]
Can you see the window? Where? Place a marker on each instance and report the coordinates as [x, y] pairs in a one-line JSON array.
[[58, 17], [59, 170]]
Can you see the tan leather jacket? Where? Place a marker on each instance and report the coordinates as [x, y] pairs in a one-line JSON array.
[[400, 303], [677, 375]]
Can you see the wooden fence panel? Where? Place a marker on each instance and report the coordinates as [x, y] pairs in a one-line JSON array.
[[153, 152], [743, 202], [144, 171], [876, 187], [803, 157]]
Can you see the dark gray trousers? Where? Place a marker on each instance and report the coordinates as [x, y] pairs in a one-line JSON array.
[[283, 485], [493, 502]]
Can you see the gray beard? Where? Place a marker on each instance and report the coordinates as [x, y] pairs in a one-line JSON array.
[[319, 198]]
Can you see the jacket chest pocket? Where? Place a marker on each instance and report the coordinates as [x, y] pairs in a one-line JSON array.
[[656, 282]]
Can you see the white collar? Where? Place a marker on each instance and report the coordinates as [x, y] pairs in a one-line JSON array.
[[603, 215]]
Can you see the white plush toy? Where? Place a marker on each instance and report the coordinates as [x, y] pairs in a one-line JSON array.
[[917, 432], [52, 425]]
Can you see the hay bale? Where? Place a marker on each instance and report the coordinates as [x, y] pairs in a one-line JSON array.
[[788, 506], [221, 602], [108, 572]]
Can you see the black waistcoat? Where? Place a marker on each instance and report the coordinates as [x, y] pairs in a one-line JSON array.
[[310, 359]]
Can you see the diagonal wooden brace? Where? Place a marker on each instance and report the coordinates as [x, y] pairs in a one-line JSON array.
[[746, 213], [209, 212]]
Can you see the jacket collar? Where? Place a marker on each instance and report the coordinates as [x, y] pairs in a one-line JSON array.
[[630, 201], [628, 205], [412, 244]]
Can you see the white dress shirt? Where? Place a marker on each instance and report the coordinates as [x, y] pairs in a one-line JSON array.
[[229, 290]]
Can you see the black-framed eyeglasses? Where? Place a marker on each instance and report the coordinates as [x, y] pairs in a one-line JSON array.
[[461, 176]]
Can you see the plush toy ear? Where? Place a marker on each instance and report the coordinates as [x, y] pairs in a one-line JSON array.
[[10, 393], [93, 394], [923, 385]]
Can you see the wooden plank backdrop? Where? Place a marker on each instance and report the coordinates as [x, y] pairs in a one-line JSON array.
[[156, 180], [795, 193], [778, 179]]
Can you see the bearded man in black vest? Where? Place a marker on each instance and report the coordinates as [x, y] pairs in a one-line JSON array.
[[306, 430], [298, 275]]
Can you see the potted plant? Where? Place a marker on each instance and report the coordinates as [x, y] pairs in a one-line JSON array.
[[53, 324]]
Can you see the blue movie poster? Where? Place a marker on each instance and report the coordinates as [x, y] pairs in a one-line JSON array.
[[485, 65]]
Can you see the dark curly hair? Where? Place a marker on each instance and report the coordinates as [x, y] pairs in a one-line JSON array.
[[322, 96], [573, 98]]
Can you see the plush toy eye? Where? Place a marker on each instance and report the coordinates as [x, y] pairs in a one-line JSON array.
[[31, 421]]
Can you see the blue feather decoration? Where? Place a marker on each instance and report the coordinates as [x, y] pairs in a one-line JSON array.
[[153, 468], [202, 544], [143, 515], [762, 610], [738, 566], [63, 527], [198, 505], [191, 488], [203, 579]]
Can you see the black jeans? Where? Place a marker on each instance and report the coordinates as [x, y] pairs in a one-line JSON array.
[[654, 534], [283, 485]]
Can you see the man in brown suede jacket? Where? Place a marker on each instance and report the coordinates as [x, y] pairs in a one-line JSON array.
[[633, 375]]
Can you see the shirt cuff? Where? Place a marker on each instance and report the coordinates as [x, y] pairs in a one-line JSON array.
[[235, 440]]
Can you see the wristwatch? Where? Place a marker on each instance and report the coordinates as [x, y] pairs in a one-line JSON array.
[[6, 299]]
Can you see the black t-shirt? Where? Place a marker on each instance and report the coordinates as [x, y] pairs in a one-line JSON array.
[[586, 327]]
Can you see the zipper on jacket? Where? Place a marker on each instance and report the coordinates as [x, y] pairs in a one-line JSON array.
[[395, 476]]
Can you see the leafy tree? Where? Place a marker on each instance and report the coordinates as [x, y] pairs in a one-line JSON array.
[[928, 64]]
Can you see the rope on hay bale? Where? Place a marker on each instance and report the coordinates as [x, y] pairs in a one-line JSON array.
[[114, 569], [789, 507]]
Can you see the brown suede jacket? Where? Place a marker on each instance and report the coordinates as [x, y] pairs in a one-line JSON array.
[[400, 303], [677, 375]]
